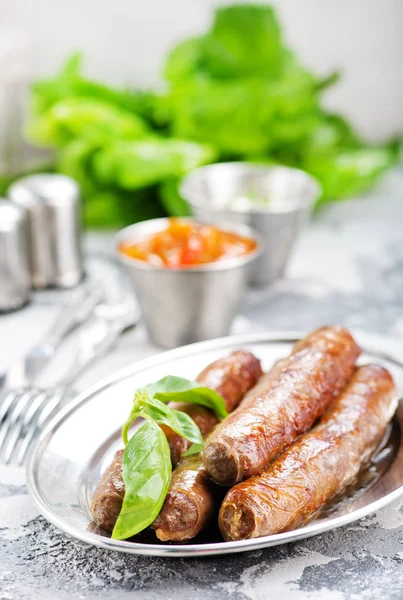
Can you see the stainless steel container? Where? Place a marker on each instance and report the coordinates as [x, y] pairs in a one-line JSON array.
[[52, 205], [275, 201], [186, 305], [15, 282]]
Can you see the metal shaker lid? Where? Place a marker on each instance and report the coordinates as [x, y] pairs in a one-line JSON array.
[[15, 281], [52, 203]]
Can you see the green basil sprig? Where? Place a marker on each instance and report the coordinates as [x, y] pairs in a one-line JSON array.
[[178, 389], [146, 472], [147, 458]]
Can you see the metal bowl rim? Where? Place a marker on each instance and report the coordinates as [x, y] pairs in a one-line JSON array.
[[257, 167], [221, 265]]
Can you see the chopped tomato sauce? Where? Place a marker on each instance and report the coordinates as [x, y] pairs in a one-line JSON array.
[[184, 244]]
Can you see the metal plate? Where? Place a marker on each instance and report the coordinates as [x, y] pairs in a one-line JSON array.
[[79, 443]]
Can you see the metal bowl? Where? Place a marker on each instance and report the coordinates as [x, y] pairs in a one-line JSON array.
[[237, 192], [191, 304]]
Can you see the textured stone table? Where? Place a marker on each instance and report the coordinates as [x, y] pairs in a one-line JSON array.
[[347, 268]]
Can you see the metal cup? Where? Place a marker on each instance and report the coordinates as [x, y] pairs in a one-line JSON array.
[[52, 205], [186, 305], [234, 191], [15, 282]]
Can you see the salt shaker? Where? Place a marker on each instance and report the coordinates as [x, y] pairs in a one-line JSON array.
[[15, 281], [53, 212]]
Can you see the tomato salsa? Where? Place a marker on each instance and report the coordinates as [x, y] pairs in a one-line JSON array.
[[185, 244]]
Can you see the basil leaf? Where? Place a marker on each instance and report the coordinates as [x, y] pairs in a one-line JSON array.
[[170, 384], [178, 389], [179, 421], [194, 449], [146, 473], [134, 414]]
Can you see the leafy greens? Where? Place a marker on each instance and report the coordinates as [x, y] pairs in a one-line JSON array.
[[146, 470], [147, 458], [235, 93]]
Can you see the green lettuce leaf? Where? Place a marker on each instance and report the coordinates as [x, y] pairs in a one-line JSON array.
[[171, 200], [234, 92], [244, 40], [350, 172], [74, 159], [245, 117], [184, 62], [70, 82], [74, 118], [113, 207], [135, 164]]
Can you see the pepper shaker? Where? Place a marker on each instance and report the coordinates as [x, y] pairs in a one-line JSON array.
[[51, 202], [15, 281]]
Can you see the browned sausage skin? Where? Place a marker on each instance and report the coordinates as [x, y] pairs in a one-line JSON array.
[[317, 466], [285, 403], [108, 496], [230, 377], [204, 419], [189, 504]]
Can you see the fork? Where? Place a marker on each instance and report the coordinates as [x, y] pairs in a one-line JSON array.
[[74, 312], [26, 415]]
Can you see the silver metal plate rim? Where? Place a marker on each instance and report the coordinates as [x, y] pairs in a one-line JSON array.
[[189, 550]]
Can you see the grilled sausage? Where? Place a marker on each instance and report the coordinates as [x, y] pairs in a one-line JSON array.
[[189, 503], [285, 403], [316, 467], [108, 496], [205, 420], [231, 377]]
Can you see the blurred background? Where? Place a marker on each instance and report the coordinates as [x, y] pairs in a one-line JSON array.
[[126, 42], [348, 57]]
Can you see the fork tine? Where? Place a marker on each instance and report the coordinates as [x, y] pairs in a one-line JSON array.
[[37, 420], [50, 407], [7, 403], [14, 411], [34, 407], [29, 417], [25, 445], [11, 442], [19, 420], [11, 401], [29, 425]]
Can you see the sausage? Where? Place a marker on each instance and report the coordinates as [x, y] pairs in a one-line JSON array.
[[205, 420], [108, 496], [316, 467], [189, 503], [230, 377], [285, 403]]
